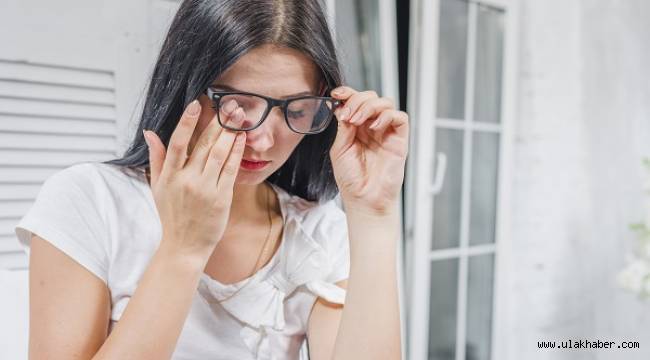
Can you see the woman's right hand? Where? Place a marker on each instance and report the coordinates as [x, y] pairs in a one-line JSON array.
[[193, 195]]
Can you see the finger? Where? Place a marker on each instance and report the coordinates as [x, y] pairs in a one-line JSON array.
[[345, 135], [208, 137], [354, 102], [177, 148], [342, 113], [220, 150], [370, 109], [343, 92], [226, 180], [156, 154], [396, 119]]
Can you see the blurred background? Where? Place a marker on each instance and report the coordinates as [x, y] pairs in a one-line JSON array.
[[526, 198]]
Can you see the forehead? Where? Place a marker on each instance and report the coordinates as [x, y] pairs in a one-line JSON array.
[[273, 71]]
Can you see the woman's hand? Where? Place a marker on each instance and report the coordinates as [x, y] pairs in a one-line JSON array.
[[193, 195], [369, 152]]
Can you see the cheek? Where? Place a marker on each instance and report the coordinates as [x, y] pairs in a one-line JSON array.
[[286, 144], [291, 142]]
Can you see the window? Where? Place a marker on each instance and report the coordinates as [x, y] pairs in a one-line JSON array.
[[458, 111]]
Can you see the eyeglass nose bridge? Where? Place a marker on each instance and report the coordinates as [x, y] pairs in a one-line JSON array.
[[273, 103], [277, 102]]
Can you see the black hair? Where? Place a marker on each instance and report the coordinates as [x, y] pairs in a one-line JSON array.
[[204, 39]]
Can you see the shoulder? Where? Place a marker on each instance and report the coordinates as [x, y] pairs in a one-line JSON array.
[[83, 174], [77, 173], [77, 189], [76, 178], [92, 178]]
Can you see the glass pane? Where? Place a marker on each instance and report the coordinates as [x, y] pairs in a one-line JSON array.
[[483, 198], [442, 311], [452, 59], [489, 61], [254, 108], [309, 114], [479, 307], [446, 204], [357, 39]]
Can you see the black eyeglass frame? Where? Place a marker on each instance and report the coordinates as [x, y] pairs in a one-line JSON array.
[[216, 95]]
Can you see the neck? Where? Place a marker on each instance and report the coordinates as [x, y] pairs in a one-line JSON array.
[[250, 202]]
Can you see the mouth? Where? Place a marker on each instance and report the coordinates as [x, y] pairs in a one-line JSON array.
[[253, 165]]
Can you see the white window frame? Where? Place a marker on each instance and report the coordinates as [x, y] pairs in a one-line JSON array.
[[423, 67]]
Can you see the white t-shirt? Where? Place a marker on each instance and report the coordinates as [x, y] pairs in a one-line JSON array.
[[108, 222]]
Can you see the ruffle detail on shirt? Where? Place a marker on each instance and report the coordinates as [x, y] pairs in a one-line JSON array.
[[260, 303]]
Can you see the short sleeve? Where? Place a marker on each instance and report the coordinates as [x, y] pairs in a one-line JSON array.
[[335, 240], [66, 214]]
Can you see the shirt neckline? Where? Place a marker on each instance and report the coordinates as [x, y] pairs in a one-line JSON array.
[[271, 263]]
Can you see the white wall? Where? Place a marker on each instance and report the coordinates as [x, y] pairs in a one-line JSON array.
[[584, 124]]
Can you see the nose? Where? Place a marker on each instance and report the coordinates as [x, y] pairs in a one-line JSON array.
[[261, 138]]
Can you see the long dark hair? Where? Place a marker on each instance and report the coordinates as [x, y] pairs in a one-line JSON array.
[[208, 36]]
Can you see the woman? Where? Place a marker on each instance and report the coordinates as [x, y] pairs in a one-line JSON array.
[[243, 158]]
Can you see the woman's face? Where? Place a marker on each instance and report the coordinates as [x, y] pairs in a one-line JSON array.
[[273, 71]]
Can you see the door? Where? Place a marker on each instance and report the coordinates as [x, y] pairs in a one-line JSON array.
[[461, 71]]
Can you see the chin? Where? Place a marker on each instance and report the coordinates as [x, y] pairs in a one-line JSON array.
[[250, 179]]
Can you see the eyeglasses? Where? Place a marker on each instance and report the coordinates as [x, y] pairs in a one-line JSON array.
[[304, 115]]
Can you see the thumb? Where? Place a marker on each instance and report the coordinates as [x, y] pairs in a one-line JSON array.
[[156, 154], [345, 134]]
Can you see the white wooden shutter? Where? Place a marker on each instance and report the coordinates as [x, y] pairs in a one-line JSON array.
[[50, 118]]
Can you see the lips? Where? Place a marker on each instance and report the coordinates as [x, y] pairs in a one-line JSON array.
[[253, 165], [255, 160]]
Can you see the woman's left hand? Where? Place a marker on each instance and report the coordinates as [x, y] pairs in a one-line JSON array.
[[369, 153]]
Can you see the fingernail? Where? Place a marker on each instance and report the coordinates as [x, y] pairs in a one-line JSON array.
[[193, 108], [234, 117], [230, 106], [146, 138], [337, 92], [239, 114]]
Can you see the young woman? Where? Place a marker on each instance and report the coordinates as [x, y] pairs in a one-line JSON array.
[[219, 238]]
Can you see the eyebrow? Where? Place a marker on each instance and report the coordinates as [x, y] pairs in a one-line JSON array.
[[230, 88]]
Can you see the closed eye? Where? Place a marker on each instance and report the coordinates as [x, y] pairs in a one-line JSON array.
[[296, 114]]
